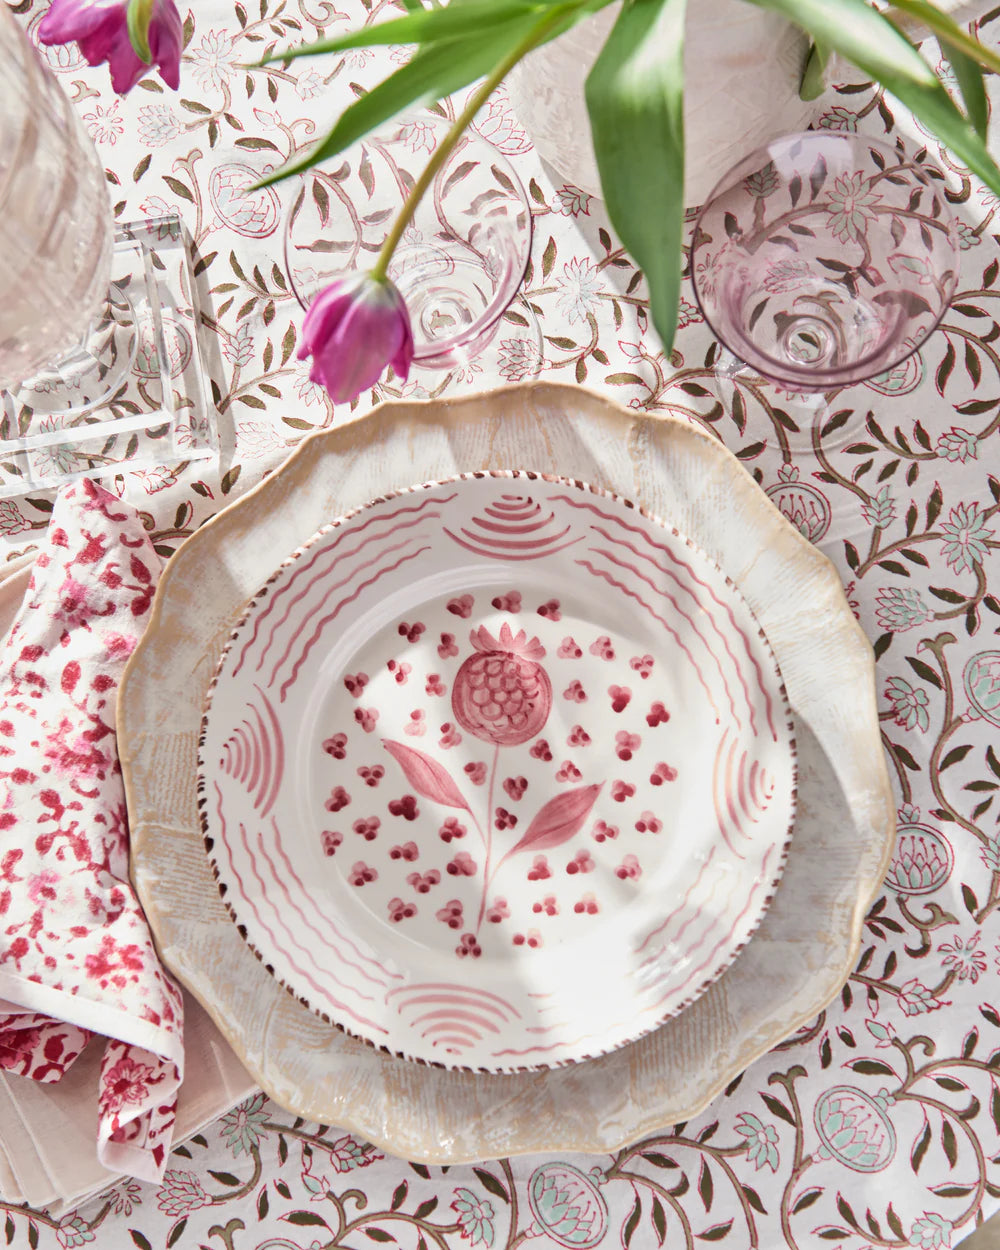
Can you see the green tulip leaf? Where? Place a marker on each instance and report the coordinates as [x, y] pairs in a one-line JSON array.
[[635, 99], [812, 85], [437, 70], [970, 83], [948, 31], [424, 26], [965, 55], [868, 40]]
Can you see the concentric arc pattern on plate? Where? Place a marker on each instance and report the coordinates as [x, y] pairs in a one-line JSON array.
[[497, 773]]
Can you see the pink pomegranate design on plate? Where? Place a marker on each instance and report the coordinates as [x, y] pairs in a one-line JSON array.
[[545, 762], [501, 693]]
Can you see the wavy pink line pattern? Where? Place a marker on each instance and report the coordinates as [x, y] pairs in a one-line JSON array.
[[274, 746], [724, 941], [627, 590], [450, 994], [722, 799], [517, 515], [677, 910], [634, 529], [276, 945], [340, 938], [254, 759], [429, 999], [721, 906], [254, 756], [323, 994], [509, 528], [330, 617], [324, 552], [723, 638], [241, 755], [344, 581], [516, 503], [501, 546], [452, 1015], [510, 554], [234, 761], [623, 564], [323, 969], [458, 1034]]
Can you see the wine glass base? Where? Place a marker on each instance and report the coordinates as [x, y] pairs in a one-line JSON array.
[[134, 393], [511, 349], [798, 422], [446, 299]]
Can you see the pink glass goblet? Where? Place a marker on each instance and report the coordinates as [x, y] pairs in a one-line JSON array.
[[824, 259]]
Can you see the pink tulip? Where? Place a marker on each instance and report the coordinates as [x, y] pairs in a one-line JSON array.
[[100, 28], [354, 328]]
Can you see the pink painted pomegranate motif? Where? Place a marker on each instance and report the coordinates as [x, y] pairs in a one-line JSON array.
[[501, 693], [527, 779]]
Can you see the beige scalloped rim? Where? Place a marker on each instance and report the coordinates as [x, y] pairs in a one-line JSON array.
[[307, 1066]]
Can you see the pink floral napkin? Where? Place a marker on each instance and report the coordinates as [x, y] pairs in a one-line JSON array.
[[76, 955]]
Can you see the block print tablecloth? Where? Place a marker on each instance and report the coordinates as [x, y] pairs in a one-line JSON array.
[[879, 1122]]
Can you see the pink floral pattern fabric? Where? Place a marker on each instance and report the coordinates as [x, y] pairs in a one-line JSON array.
[[77, 958]]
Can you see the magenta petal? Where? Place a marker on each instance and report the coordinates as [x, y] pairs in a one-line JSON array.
[[69, 20], [403, 358], [100, 27], [353, 357], [404, 355], [327, 309], [353, 329], [166, 41], [124, 62]]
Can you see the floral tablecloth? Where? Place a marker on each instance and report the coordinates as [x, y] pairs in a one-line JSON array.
[[878, 1124]]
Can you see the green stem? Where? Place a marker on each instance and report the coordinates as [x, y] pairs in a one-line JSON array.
[[447, 144]]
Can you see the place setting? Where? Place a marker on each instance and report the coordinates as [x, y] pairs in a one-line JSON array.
[[438, 835]]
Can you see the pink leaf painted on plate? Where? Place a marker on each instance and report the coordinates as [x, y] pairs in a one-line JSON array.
[[425, 775], [559, 819]]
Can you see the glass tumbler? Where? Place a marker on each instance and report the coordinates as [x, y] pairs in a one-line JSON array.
[[55, 215]]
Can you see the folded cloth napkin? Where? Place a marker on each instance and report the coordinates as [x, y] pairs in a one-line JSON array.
[[76, 954]]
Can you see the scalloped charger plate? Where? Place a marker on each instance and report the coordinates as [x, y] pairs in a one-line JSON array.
[[809, 938], [497, 773]]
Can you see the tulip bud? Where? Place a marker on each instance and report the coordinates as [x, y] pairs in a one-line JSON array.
[[354, 328], [100, 28]]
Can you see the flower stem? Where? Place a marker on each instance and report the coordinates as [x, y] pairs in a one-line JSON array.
[[489, 836], [536, 35]]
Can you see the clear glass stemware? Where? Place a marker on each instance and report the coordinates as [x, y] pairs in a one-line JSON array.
[[821, 260], [459, 263]]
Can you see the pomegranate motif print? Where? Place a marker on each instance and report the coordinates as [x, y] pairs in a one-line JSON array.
[[501, 693], [510, 743]]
